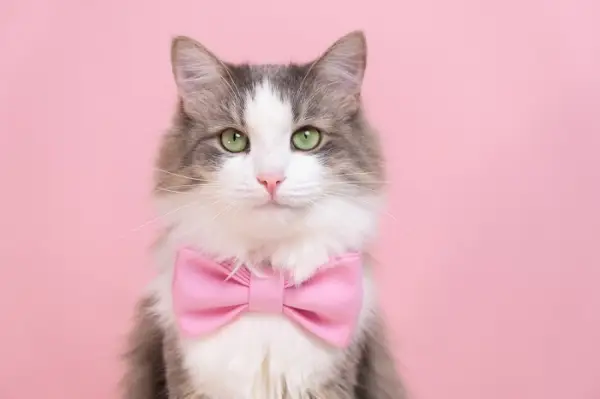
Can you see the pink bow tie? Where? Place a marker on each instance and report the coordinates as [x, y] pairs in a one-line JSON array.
[[327, 305]]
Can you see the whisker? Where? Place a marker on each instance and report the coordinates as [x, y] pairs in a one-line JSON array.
[[157, 218], [192, 186], [351, 192], [353, 182], [226, 209], [179, 175], [355, 174], [172, 191], [185, 185], [305, 186], [360, 200], [168, 190], [171, 212]]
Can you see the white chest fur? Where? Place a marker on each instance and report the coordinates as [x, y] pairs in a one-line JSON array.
[[258, 356]]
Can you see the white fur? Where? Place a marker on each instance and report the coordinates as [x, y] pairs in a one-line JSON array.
[[254, 356]]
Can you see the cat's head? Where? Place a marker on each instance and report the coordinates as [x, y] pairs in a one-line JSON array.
[[265, 153]]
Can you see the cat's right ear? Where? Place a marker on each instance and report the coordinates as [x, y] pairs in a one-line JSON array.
[[198, 72]]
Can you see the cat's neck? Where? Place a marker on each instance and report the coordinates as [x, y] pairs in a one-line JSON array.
[[299, 249]]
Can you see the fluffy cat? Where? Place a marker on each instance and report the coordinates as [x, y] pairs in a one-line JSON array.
[[264, 163]]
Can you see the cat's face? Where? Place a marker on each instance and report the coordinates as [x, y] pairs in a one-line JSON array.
[[269, 150]]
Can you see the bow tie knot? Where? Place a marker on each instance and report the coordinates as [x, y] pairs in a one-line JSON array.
[[265, 293], [207, 296]]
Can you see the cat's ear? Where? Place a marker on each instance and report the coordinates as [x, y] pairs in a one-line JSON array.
[[198, 72], [343, 64]]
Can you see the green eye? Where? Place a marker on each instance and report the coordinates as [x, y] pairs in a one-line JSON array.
[[234, 141], [306, 139]]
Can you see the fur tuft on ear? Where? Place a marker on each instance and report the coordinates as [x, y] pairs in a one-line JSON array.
[[344, 63], [198, 72]]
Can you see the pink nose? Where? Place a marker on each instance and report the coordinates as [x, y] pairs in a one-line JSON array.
[[270, 182]]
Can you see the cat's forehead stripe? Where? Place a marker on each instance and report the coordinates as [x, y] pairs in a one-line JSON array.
[[267, 111]]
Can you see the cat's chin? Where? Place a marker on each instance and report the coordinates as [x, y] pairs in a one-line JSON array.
[[278, 206]]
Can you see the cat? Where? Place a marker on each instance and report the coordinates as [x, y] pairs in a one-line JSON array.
[[265, 163]]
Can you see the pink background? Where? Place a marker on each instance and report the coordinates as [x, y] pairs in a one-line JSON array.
[[491, 116]]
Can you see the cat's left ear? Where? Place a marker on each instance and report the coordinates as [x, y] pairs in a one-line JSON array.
[[343, 65], [199, 74]]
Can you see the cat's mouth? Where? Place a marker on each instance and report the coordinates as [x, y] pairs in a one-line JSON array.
[[274, 205]]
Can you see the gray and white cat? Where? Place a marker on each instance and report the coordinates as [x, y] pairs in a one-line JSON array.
[[265, 163]]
